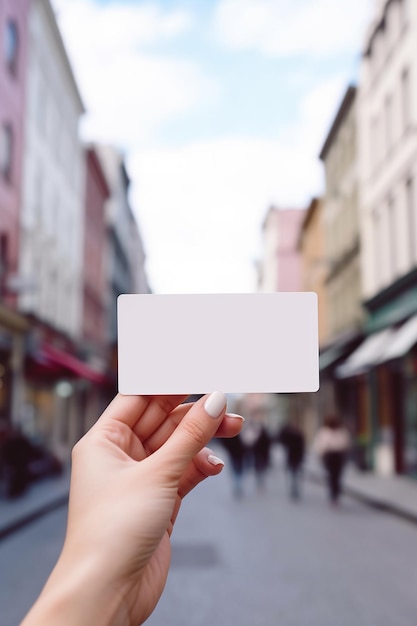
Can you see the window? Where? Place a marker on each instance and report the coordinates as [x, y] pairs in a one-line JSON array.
[[6, 151], [405, 12], [405, 98], [374, 147], [11, 46], [409, 198], [4, 257], [392, 235], [377, 247], [388, 123]]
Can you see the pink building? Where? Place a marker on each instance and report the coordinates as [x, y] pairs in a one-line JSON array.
[[280, 266], [95, 242], [13, 51]]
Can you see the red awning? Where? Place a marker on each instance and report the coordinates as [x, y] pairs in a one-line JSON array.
[[72, 364]]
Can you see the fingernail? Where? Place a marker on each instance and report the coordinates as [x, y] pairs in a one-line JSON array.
[[240, 417], [215, 404], [214, 460]]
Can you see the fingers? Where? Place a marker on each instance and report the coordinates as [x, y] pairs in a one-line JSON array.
[[203, 465], [229, 426], [150, 410], [194, 431]]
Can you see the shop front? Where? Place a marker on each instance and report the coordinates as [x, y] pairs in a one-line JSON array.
[[63, 396], [384, 367], [13, 328]]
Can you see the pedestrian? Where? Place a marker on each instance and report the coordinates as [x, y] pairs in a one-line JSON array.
[[129, 475], [16, 456], [292, 439], [236, 451], [331, 444], [257, 444]]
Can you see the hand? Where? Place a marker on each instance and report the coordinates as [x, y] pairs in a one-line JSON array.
[[129, 475]]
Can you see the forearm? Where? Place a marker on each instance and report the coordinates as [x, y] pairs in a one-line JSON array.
[[72, 597]]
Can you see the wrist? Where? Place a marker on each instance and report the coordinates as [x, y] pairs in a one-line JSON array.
[[75, 595]]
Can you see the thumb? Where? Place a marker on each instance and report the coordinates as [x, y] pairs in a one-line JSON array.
[[195, 430]]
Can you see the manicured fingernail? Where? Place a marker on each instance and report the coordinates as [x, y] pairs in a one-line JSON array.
[[240, 417], [215, 404], [214, 460]]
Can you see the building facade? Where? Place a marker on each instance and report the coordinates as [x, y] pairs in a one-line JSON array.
[[342, 258], [51, 243], [279, 268], [95, 249], [383, 367], [341, 221], [51, 257], [311, 247], [13, 46], [125, 256], [13, 327]]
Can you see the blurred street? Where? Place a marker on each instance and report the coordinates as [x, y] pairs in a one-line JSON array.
[[259, 560]]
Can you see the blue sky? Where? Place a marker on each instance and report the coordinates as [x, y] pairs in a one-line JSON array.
[[221, 107]]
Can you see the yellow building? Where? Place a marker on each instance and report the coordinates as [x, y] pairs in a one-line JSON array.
[[313, 261]]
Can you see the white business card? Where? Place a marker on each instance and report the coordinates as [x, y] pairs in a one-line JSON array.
[[235, 343]]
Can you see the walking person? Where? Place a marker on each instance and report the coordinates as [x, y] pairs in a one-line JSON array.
[[331, 444], [292, 439], [236, 451], [257, 444]]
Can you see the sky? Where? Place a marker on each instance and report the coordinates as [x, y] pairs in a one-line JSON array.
[[221, 108]]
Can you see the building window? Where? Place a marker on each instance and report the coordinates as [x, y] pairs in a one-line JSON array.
[[388, 123], [409, 192], [377, 247], [373, 136], [392, 235], [4, 260], [405, 12], [6, 151], [11, 46], [405, 98]]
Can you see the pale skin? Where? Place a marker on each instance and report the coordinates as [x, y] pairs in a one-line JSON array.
[[130, 473]]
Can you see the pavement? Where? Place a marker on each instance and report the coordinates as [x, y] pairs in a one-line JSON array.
[[393, 494], [40, 498], [396, 495]]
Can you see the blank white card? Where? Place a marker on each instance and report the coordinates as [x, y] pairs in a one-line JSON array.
[[235, 343]]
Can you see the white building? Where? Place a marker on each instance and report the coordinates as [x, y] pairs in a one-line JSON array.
[[382, 371], [388, 145], [126, 257], [53, 180]]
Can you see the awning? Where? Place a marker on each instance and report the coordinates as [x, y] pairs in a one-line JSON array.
[[368, 354], [71, 364], [338, 350], [403, 340]]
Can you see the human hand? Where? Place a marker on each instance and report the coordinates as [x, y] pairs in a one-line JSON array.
[[129, 475]]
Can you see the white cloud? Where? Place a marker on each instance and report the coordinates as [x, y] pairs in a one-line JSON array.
[[201, 206], [120, 25], [129, 93], [292, 27]]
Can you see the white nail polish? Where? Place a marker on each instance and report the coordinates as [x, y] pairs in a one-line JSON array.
[[214, 460], [240, 417], [215, 404]]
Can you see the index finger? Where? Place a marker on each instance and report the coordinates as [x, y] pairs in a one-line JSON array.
[[129, 410]]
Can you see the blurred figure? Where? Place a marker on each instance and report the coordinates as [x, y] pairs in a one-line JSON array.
[[257, 443], [16, 454], [292, 439], [236, 452], [331, 444]]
